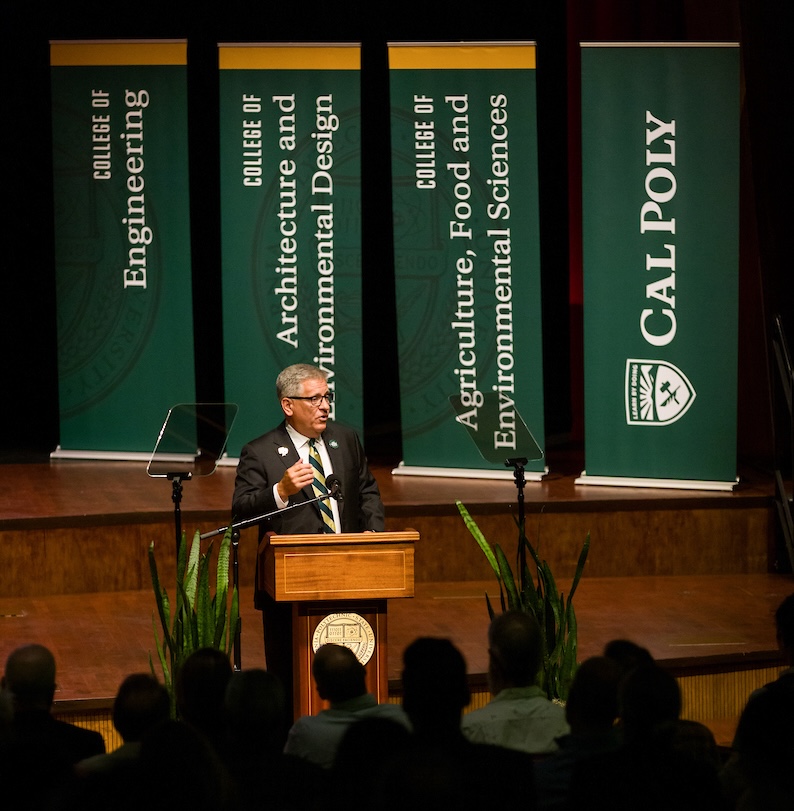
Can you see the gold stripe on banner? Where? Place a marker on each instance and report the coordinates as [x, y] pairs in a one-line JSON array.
[[299, 56], [466, 56], [120, 52]]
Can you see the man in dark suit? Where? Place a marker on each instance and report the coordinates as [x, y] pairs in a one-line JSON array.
[[42, 750], [276, 471]]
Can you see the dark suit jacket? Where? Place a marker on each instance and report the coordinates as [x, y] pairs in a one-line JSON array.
[[40, 755], [263, 462]]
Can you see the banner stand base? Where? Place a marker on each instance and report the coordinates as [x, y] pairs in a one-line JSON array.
[[101, 456], [122, 456], [465, 473], [668, 484], [228, 461]]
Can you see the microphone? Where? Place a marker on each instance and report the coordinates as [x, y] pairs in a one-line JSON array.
[[334, 487]]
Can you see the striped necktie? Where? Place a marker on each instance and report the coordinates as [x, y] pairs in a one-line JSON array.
[[318, 485]]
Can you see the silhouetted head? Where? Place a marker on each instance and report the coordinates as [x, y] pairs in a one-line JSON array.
[[141, 703], [627, 654], [200, 688], [338, 674], [649, 699], [255, 708], [30, 677], [515, 650], [592, 704], [435, 687]]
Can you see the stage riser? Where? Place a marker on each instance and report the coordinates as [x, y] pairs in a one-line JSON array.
[[622, 543], [721, 694], [39, 561], [93, 559]]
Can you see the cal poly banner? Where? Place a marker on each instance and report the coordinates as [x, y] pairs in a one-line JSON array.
[[291, 235], [465, 199], [660, 195], [122, 243]]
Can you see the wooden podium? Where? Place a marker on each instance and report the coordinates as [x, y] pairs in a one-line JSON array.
[[338, 586]]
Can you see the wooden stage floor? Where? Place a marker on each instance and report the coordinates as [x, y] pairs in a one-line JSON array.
[[686, 622], [689, 622]]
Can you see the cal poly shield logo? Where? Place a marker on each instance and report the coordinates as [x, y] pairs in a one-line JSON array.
[[657, 392]]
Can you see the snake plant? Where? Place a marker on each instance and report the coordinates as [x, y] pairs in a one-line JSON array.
[[198, 619], [555, 614]]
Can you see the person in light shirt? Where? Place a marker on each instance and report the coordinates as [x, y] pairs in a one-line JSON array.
[[519, 716]]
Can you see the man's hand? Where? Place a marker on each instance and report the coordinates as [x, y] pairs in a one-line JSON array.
[[295, 478]]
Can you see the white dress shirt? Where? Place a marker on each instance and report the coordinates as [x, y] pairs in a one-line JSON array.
[[301, 444]]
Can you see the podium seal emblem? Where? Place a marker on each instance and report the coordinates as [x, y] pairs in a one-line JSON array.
[[350, 630]]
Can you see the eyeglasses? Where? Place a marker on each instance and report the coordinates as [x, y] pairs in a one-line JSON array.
[[316, 399]]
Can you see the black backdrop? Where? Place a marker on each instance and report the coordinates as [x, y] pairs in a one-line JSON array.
[[28, 369]]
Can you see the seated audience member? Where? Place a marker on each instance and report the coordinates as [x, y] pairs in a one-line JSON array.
[[591, 711], [647, 770], [690, 737], [141, 704], [263, 776], [6, 719], [627, 654], [41, 750], [180, 769], [341, 681], [368, 750], [758, 775], [519, 716], [442, 769], [199, 688]]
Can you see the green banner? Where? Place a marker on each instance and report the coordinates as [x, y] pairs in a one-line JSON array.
[[660, 196], [291, 225], [122, 242], [466, 242]]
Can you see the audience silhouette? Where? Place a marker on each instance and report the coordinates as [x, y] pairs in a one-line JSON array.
[[647, 770], [200, 687], [690, 737], [341, 681], [141, 704], [41, 751], [519, 716], [443, 768], [624, 745], [591, 711], [759, 774], [263, 776], [366, 755]]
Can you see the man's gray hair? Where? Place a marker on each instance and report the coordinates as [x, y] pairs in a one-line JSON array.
[[289, 381]]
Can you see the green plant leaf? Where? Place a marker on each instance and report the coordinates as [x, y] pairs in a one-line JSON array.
[[580, 566], [471, 525], [160, 596], [191, 578], [205, 612], [555, 614], [506, 577]]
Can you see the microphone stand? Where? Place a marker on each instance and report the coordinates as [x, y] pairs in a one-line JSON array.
[[518, 474], [235, 527]]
